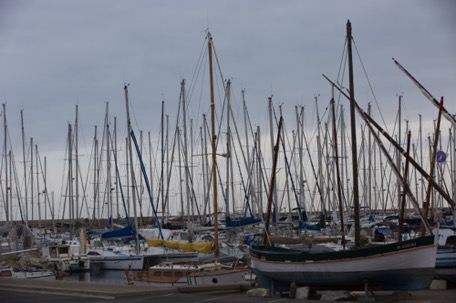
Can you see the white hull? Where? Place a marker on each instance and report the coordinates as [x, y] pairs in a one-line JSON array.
[[407, 265], [217, 277], [118, 262], [6, 271], [422, 257]]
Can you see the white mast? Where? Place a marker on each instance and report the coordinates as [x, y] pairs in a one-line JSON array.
[[5, 152], [132, 170], [76, 163], [273, 186], [25, 168]]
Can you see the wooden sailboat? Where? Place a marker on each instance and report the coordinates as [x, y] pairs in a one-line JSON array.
[[210, 273], [168, 272], [405, 265]]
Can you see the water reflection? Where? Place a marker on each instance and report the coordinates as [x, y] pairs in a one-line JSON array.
[[104, 276]]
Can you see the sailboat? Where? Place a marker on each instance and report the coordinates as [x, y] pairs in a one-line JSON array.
[[445, 264], [403, 265], [407, 265], [197, 274]]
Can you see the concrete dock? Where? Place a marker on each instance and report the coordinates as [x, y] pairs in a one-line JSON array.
[[235, 292], [108, 291]]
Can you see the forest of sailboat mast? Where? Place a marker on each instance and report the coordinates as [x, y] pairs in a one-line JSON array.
[[105, 182]]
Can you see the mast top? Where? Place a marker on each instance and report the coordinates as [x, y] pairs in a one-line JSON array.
[[349, 28]]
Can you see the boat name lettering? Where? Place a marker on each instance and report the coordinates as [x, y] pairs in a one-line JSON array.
[[407, 245]]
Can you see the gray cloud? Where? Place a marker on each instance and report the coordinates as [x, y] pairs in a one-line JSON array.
[[55, 54]]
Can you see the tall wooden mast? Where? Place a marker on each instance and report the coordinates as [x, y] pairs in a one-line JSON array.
[[214, 160], [353, 135]]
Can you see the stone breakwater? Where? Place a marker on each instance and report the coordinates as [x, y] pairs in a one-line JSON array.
[[20, 261]]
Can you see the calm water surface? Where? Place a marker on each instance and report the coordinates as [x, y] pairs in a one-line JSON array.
[[103, 276]]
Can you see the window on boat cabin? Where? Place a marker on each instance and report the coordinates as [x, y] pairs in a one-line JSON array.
[[97, 243], [451, 240], [63, 250], [53, 251], [157, 274]]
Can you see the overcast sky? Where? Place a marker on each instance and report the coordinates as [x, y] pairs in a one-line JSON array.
[[58, 54]]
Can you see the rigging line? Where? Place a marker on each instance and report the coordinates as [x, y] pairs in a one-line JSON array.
[[153, 159], [192, 88], [119, 180], [326, 162], [220, 120], [192, 192], [206, 194], [370, 85], [238, 136], [314, 171], [287, 165], [198, 68], [292, 144], [259, 154], [84, 188], [331, 160], [96, 185], [174, 142], [361, 162], [136, 190], [246, 192], [254, 151], [443, 182], [321, 161], [311, 162], [144, 173], [78, 168], [201, 65], [396, 124], [343, 62], [326, 111], [64, 202], [252, 133], [426, 93], [272, 183], [170, 168], [222, 189], [190, 188], [313, 134], [18, 191], [263, 176], [224, 86], [64, 185], [252, 167], [45, 188], [218, 65], [132, 110], [372, 123], [249, 168]]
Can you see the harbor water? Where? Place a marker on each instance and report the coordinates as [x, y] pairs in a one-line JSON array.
[[101, 276]]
